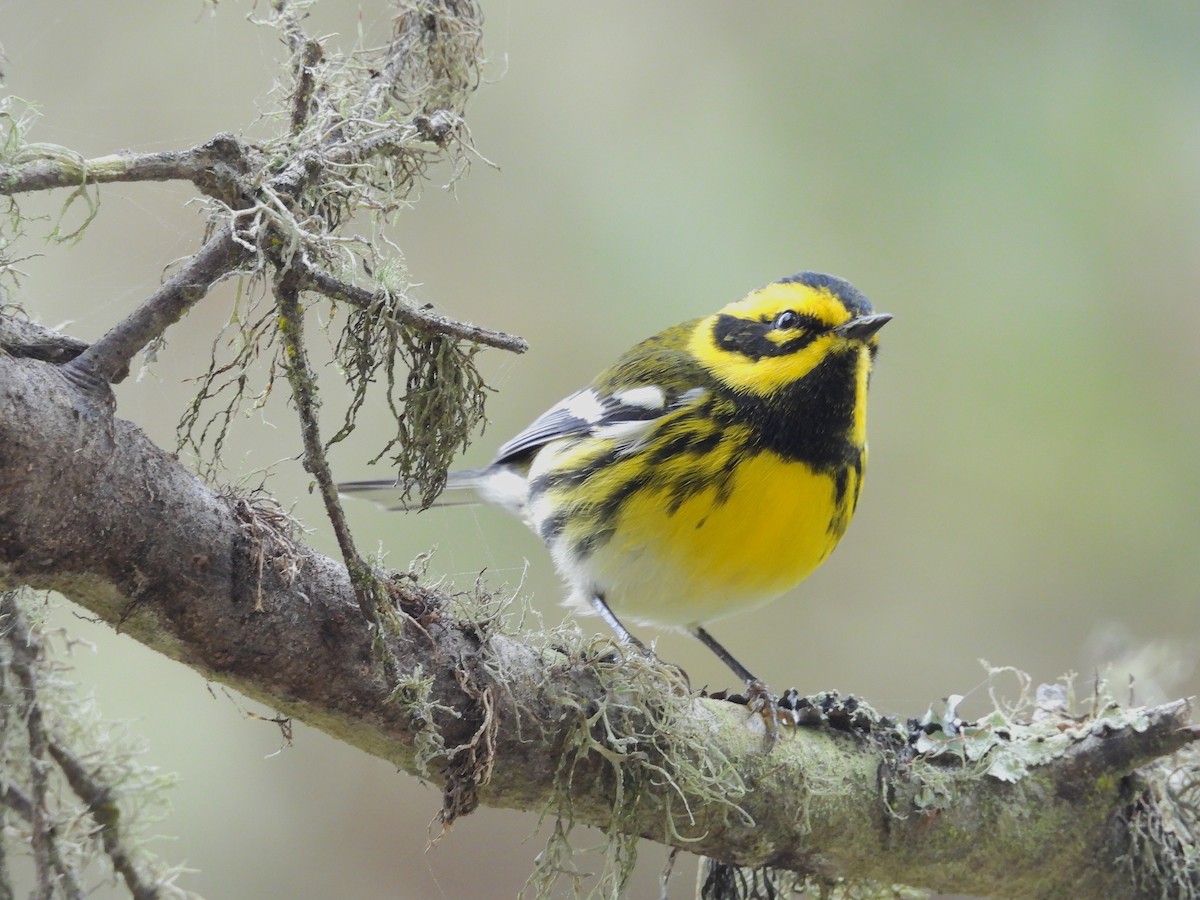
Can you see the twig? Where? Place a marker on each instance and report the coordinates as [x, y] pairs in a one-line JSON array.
[[99, 797], [425, 320], [52, 870], [372, 599], [102, 361], [213, 167], [62, 171], [306, 55], [18, 801], [103, 808]]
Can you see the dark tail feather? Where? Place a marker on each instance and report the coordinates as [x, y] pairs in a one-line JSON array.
[[388, 493]]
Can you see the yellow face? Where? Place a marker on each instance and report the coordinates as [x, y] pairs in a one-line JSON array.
[[777, 335]]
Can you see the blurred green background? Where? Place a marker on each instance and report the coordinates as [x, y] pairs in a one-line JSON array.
[[1019, 184]]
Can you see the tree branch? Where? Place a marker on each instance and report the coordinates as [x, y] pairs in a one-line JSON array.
[[510, 722], [214, 167], [48, 862], [372, 601], [315, 279], [102, 361], [101, 799]]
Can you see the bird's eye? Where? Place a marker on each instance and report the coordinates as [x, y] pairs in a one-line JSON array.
[[786, 319]]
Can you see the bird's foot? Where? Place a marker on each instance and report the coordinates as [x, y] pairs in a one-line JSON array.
[[761, 701]]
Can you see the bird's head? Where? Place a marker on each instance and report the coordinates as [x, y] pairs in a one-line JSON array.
[[778, 334]]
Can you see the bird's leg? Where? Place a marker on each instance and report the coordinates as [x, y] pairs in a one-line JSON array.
[[758, 697], [725, 656], [628, 640], [622, 633]]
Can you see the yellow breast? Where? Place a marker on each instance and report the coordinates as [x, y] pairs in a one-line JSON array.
[[711, 555]]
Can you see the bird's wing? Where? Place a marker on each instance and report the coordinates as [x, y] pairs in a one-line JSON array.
[[653, 383]]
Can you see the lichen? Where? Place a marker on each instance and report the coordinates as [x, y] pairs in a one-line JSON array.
[[643, 728], [436, 405], [414, 693], [80, 801], [1159, 835], [364, 128]]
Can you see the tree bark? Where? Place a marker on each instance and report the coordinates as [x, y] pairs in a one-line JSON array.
[[91, 508]]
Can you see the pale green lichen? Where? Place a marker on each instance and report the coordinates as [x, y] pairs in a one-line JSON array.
[[98, 800], [1161, 828], [1038, 727], [17, 119], [371, 120], [432, 389], [643, 725], [414, 693]]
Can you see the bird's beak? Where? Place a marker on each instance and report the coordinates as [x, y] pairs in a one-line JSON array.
[[863, 327]]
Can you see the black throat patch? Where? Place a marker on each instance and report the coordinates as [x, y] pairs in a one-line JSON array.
[[810, 420]]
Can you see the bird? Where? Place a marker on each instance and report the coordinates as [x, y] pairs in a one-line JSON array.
[[710, 469]]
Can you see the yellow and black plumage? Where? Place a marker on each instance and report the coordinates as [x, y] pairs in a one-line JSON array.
[[714, 466]]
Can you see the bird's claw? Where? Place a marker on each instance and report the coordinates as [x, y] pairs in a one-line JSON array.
[[760, 700]]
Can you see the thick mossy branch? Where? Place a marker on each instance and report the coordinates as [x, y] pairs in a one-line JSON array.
[[1159, 832], [588, 737]]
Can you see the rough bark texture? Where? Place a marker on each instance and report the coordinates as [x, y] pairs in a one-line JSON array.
[[91, 508]]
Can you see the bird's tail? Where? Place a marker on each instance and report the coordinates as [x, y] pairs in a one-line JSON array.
[[462, 489]]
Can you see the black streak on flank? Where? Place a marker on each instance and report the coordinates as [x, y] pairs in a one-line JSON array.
[[689, 441], [552, 526], [841, 482], [845, 495]]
